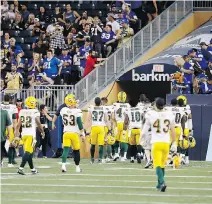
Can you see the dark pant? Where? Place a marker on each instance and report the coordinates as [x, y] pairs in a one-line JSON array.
[[3, 150], [44, 141]]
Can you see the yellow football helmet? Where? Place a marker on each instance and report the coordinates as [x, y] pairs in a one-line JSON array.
[[192, 142], [176, 160], [15, 142], [122, 97], [184, 99], [70, 100], [31, 102], [110, 140], [184, 144]]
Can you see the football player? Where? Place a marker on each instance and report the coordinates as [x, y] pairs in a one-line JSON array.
[[160, 122], [188, 130], [12, 111], [110, 140], [28, 119], [118, 118], [97, 119], [133, 122], [72, 131]]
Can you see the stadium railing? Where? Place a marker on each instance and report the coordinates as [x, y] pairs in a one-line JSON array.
[[140, 43], [50, 95]]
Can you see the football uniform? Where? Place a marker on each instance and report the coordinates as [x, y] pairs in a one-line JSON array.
[[188, 123], [135, 124], [12, 111], [71, 130], [159, 122], [28, 124], [98, 124], [109, 110], [119, 110], [178, 113]]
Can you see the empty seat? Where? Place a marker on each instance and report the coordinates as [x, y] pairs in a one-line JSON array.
[[26, 47], [49, 6], [25, 33], [19, 40], [31, 40], [33, 6], [28, 54]]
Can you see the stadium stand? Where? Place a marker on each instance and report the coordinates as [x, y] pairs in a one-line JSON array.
[[35, 27]]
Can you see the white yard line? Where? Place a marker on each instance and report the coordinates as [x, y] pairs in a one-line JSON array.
[[111, 175], [95, 202], [99, 186], [105, 193], [100, 180]]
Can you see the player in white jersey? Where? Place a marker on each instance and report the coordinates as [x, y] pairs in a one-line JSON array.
[[188, 130], [133, 122], [110, 139], [160, 122], [28, 119], [118, 117], [72, 131], [97, 119], [12, 111]]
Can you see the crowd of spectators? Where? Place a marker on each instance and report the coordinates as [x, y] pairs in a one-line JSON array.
[[57, 44], [196, 69]]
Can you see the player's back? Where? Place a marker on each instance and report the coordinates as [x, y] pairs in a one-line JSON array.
[[119, 110], [135, 115], [98, 115], [109, 111], [28, 121], [69, 118], [178, 113], [160, 124], [10, 108]]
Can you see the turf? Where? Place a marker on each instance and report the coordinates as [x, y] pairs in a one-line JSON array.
[[112, 182]]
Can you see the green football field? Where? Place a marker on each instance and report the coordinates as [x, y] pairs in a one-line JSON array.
[[108, 183]]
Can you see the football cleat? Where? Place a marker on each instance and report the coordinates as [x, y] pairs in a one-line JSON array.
[[34, 171], [123, 159], [10, 165], [99, 161], [149, 165], [132, 161], [116, 157], [163, 187], [107, 159], [78, 170], [92, 161], [139, 158], [21, 172]]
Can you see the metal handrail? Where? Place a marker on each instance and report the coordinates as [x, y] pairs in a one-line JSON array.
[[126, 55]]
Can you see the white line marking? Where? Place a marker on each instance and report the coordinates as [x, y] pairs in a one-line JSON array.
[[99, 186], [100, 180], [112, 175], [106, 193], [95, 202]]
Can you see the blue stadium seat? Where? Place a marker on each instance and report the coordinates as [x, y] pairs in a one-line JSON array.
[[25, 33], [19, 40], [25, 47], [28, 54], [31, 40], [33, 6], [49, 6]]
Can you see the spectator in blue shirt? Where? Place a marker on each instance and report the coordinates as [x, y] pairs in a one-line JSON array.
[[19, 61], [52, 67], [24, 13], [205, 50], [66, 65], [188, 71], [204, 86], [84, 52]]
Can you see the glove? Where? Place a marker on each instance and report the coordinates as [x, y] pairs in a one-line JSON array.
[[174, 147]]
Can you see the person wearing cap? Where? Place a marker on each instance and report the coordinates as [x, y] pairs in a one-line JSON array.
[[65, 59], [162, 123], [188, 71], [67, 28], [84, 50], [205, 50], [25, 13], [108, 40], [38, 29], [13, 47], [203, 86], [131, 16], [19, 61], [14, 80], [115, 25], [126, 33]]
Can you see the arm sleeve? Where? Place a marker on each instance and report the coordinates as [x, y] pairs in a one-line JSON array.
[[79, 123]]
